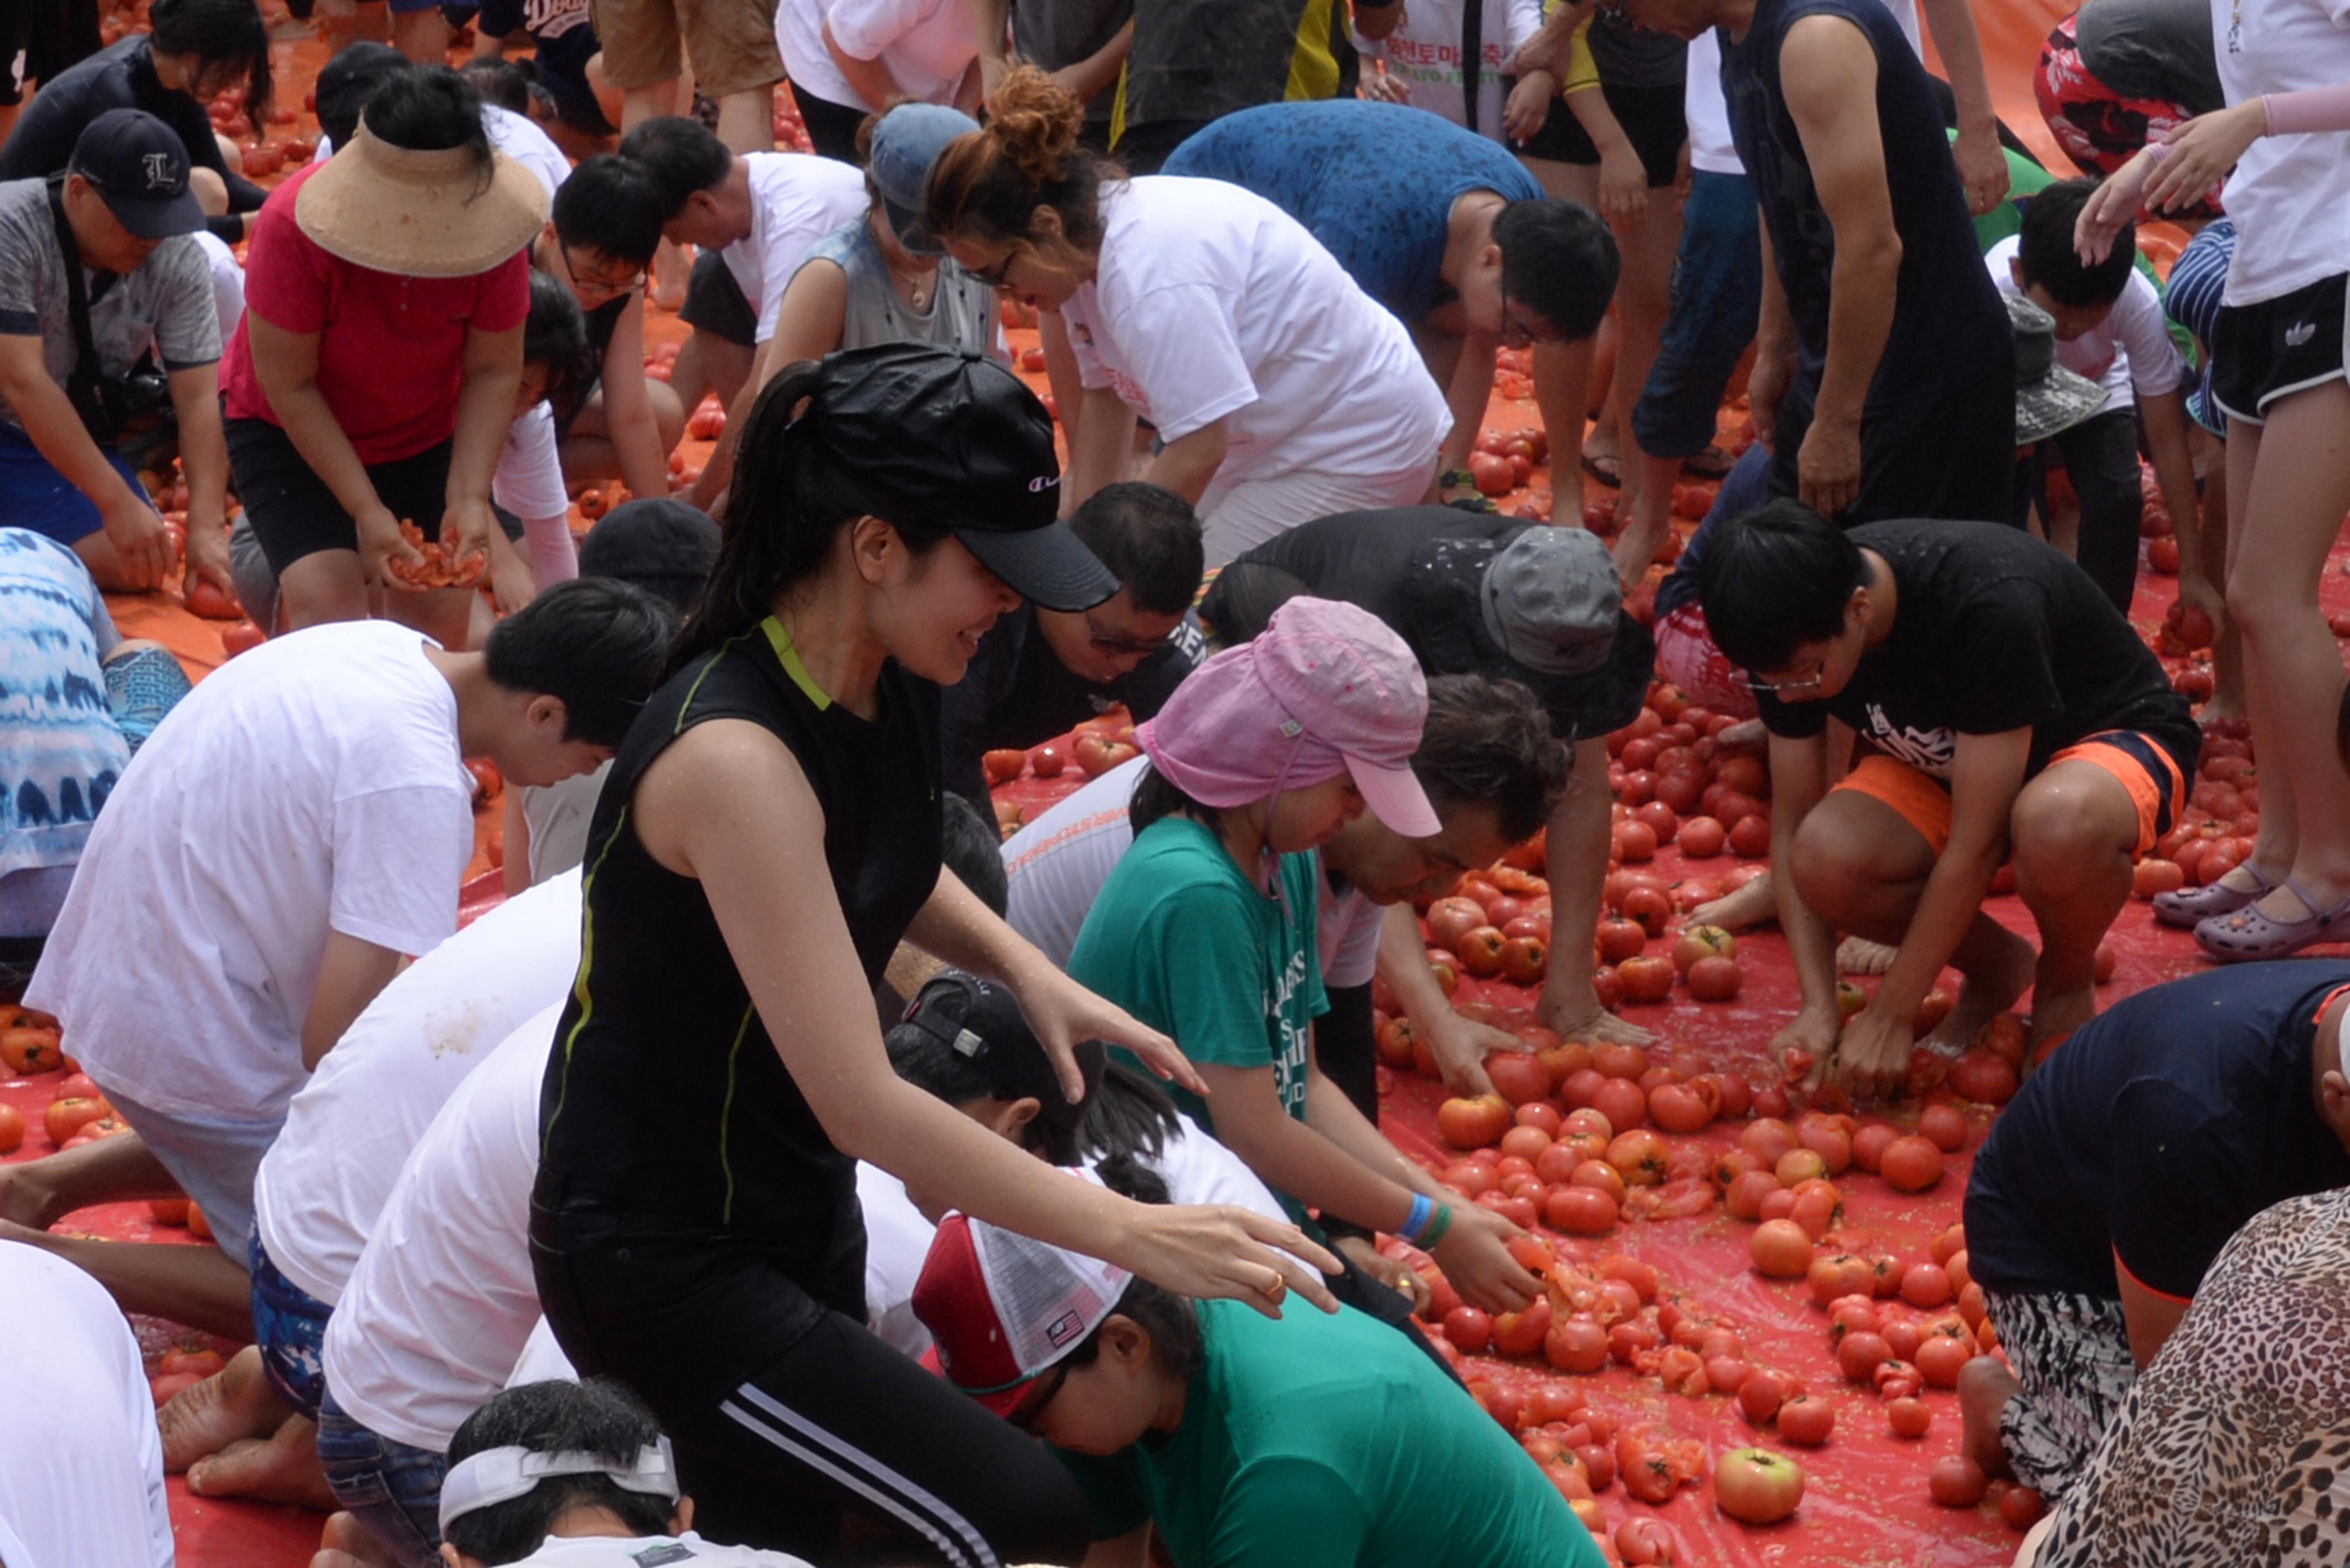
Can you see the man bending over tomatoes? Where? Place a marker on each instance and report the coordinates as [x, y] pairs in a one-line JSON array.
[[2002, 706], [298, 824], [2111, 1182]]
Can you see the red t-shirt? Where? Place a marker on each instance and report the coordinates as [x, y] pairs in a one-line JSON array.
[[391, 349]]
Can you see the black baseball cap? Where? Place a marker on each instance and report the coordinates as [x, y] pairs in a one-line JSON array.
[[980, 1022], [657, 543], [955, 439], [140, 166]]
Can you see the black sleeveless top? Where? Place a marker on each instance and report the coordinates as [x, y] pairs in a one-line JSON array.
[[665, 1106]]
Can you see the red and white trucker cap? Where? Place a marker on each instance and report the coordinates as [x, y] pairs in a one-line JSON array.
[[1003, 1308]]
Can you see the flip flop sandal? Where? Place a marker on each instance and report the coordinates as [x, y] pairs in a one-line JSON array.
[[2190, 907], [1712, 464], [2248, 934], [1591, 466]]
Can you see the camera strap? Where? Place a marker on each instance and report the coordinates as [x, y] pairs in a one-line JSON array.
[[82, 385], [1472, 60]]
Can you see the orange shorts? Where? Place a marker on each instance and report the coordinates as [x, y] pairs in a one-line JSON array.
[[2140, 766]]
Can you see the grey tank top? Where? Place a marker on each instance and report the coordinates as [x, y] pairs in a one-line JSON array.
[[962, 314]]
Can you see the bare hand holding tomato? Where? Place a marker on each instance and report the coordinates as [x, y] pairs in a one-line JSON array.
[[383, 544], [1812, 1032], [1460, 1047], [1475, 1257], [1873, 1057], [1397, 1276], [1064, 1014]]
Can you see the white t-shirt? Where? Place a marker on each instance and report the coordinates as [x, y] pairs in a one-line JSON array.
[[322, 1185], [516, 135], [228, 281], [2290, 195], [443, 1301], [637, 1551], [542, 1360], [313, 783], [925, 44], [1424, 51], [797, 199], [556, 817], [1057, 864], [81, 1462], [1709, 118], [529, 478], [1211, 302], [1195, 1166], [2130, 351]]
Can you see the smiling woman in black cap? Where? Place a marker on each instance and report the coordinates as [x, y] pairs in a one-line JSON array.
[[769, 833]]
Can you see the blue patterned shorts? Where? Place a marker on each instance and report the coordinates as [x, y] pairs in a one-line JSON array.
[[289, 1325]]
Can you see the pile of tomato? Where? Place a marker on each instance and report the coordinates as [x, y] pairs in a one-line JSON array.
[[438, 568]]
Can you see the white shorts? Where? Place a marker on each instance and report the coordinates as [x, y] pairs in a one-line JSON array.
[[214, 1158], [1239, 517]]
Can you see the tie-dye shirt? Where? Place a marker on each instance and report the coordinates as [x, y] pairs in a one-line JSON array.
[[60, 751]]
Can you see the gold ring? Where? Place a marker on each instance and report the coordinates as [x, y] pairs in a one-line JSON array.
[[1278, 1289]]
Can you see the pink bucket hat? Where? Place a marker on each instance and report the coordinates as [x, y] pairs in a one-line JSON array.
[[1325, 689]]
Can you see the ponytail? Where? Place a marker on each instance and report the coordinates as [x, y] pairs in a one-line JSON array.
[[1127, 1120], [987, 185], [219, 33], [788, 499]]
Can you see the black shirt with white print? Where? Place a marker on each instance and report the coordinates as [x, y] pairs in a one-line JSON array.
[[1992, 631]]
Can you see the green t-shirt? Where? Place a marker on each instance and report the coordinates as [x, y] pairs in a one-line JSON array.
[[1181, 940], [1317, 1441]]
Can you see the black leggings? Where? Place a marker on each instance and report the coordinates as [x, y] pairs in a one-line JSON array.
[[842, 1424], [831, 126]]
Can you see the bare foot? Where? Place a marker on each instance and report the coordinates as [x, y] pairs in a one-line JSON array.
[[1745, 733], [1985, 1385], [234, 1404], [281, 1468], [1858, 955], [1752, 905], [2056, 1014], [1986, 993], [347, 1544]]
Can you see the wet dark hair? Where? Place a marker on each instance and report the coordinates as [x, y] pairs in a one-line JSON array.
[[790, 498], [595, 642], [2044, 248], [501, 82], [1489, 743], [1150, 539], [1558, 258], [348, 81], [1155, 796], [593, 1416], [1177, 1347], [988, 184], [1128, 1117], [681, 155], [610, 205], [973, 846], [555, 333], [432, 109], [1774, 580], [219, 33]]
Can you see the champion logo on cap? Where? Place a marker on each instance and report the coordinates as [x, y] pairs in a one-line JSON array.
[[159, 171], [1042, 482]]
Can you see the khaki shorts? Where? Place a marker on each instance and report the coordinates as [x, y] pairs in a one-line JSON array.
[[732, 43]]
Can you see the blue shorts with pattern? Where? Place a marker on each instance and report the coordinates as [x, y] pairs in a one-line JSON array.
[[289, 1325]]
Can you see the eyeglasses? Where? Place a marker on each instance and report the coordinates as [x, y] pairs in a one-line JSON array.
[[603, 285], [1110, 642], [1028, 1414], [993, 277], [1781, 690]]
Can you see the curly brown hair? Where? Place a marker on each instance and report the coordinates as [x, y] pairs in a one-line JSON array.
[[987, 185]]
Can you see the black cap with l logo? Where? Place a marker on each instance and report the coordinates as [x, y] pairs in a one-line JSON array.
[[139, 165]]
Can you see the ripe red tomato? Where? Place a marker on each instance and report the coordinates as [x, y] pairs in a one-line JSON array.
[[1635, 842], [1622, 1102], [1005, 765], [1755, 1486], [1761, 1395], [1944, 1126], [1646, 977], [1925, 1286], [1469, 1329], [1701, 837], [1649, 907], [1982, 1076], [11, 1129], [1524, 960], [1678, 1109], [1956, 1481], [1858, 1355], [1910, 1418], [1638, 1156], [1521, 1332], [2022, 1507], [1941, 1357], [1897, 1380], [1476, 1123], [1806, 1421], [1599, 1174], [1522, 1080], [1578, 1210], [1768, 1140], [1642, 1542], [1480, 951], [1781, 1250], [1837, 1275], [66, 1118], [207, 600], [2151, 878], [1449, 919], [1715, 979], [1744, 1195], [1575, 1344], [1750, 836], [1912, 1164]]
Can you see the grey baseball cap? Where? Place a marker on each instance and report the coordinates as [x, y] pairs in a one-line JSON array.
[[1551, 599], [906, 141]]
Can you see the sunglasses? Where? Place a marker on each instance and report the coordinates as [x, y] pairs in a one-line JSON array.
[[1781, 690]]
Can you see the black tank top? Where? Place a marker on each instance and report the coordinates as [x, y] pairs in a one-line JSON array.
[[664, 1099]]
